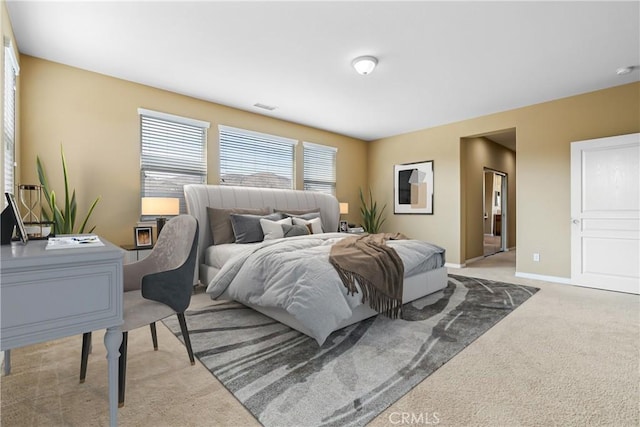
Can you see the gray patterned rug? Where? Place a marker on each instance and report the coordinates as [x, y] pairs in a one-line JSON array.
[[284, 379]]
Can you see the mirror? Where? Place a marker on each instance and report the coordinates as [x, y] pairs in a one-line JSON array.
[[494, 211]]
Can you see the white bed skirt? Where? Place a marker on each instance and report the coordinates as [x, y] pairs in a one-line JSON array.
[[414, 287]]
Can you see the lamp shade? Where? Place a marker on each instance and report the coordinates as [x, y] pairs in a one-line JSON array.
[[160, 206], [344, 208]]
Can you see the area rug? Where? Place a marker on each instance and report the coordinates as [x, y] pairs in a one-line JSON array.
[[285, 379]]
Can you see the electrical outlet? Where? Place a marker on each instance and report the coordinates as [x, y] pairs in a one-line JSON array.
[[536, 257]]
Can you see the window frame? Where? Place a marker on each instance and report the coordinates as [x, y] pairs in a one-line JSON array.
[[11, 71], [232, 141], [308, 182], [153, 164]]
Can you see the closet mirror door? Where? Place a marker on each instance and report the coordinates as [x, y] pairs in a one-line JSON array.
[[494, 211]]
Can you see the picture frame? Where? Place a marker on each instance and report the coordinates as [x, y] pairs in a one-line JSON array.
[[344, 227], [16, 219], [143, 237], [413, 188]]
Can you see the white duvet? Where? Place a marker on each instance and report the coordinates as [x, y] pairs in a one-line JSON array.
[[295, 274]]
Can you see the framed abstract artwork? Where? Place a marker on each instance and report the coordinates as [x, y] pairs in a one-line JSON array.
[[143, 237], [413, 188]]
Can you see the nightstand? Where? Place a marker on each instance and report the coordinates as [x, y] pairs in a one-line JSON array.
[[134, 253]]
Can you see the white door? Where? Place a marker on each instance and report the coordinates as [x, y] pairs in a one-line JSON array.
[[605, 211]]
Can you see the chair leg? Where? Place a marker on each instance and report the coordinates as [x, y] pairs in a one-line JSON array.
[[185, 335], [122, 369], [86, 345], [7, 362], [154, 336]]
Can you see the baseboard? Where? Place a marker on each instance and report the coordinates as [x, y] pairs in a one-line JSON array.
[[451, 265], [554, 279], [472, 260]]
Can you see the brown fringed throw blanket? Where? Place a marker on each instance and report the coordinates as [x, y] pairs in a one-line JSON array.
[[377, 268]]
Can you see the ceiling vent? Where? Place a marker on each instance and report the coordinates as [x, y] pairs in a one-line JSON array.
[[265, 106]]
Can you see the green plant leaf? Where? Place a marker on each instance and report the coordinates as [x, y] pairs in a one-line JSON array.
[[72, 210], [372, 219], [67, 200], [42, 177], [58, 216], [64, 219], [84, 223]]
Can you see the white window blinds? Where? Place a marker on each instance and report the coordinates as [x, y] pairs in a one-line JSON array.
[[320, 168], [253, 159], [10, 72], [172, 154]]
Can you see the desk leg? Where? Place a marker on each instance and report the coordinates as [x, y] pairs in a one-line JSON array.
[[7, 362], [112, 340]]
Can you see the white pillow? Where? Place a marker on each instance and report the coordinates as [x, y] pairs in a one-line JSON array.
[[315, 224], [273, 229]]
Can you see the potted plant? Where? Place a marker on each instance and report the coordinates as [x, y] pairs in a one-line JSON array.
[[63, 218], [372, 219]]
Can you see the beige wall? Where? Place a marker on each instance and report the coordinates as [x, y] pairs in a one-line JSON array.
[[544, 134], [441, 228], [95, 118], [7, 34], [477, 154]]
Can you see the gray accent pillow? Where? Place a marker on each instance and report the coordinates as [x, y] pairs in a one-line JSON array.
[[247, 228], [314, 225], [294, 230], [220, 222], [309, 215]]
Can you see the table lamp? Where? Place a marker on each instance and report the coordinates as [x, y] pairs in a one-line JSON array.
[[159, 207], [344, 210]]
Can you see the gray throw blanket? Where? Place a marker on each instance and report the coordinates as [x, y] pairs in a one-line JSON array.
[[377, 268]]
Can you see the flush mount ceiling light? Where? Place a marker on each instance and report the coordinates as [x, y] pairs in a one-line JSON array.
[[365, 64]]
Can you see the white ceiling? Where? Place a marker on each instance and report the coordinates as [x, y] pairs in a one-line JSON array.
[[439, 62]]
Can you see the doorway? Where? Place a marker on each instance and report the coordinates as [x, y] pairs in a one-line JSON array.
[[494, 152], [494, 212]]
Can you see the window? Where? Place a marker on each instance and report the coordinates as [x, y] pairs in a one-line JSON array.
[[172, 154], [11, 70], [320, 168], [253, 159]]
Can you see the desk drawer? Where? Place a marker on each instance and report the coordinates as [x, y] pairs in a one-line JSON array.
[[40, 305]]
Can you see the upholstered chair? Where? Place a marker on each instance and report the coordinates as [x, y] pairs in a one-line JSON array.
[[156, 287]]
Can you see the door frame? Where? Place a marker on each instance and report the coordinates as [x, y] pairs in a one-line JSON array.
[[504, 247]]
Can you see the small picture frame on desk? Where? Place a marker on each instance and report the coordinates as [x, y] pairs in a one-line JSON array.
[[143, 237], [344, 226], [11, 218]]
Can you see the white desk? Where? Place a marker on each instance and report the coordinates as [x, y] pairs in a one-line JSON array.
[[51, 294]]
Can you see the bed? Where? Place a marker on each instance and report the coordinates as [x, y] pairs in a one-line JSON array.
[[234, 271]]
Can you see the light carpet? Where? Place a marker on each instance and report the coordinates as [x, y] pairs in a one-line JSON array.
[[284, 379], [568, 357]]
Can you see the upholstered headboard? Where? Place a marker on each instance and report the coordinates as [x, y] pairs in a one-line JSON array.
[[201, 196]]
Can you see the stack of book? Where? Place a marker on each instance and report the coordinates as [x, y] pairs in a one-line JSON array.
[[356, 230], [70, 241]]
